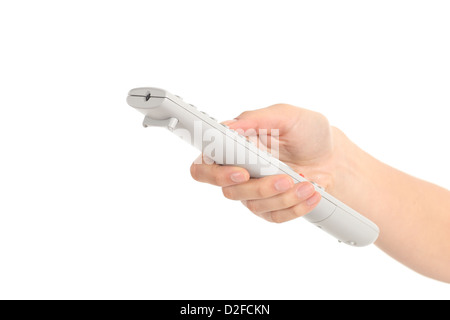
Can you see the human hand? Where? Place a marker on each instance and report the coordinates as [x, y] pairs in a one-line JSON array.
[[305, 144]]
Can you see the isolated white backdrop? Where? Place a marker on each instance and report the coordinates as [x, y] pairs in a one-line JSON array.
[[94, 206]]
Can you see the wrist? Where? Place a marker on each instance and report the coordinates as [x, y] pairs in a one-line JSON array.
[[348, 163], [355, 175]]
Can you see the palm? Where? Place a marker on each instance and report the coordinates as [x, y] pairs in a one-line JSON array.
[[305, 141]]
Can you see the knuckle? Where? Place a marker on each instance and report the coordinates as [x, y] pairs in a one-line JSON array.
[[277, 217], [228, 193], [260, 191], [219, 180], [299, 210], [281, 106], [321, 117], [286, 201], [244, 114], [252, 206], [194, 171]]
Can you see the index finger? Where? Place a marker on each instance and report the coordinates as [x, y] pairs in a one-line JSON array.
[[221, 176]]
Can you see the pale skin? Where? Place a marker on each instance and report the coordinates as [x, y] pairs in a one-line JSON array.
[[413, 215]]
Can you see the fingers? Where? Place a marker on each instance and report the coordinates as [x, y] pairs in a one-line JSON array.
[[273, 198], [300, 210], [222, 176], [302, 192], [297, 202], [266, 187]]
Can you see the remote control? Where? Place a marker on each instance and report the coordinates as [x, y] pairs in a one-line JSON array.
[[228, 147]]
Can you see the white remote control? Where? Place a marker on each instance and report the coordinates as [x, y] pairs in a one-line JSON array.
[[227, 147]]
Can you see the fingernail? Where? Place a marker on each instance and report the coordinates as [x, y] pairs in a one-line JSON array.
[[305, 191], [227, 123], [238, 177], [282, 185], [313, 200]]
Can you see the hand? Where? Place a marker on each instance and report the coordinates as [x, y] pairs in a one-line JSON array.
[[305, 144], [324, 155]]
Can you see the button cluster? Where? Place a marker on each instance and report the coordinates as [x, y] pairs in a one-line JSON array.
[[203, 112], [320, 187], [238, 137]]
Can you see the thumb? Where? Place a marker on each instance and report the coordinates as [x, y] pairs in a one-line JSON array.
[[268, 118], [245, 121]]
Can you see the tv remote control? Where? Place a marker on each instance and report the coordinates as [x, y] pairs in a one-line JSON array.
[[227, 147]]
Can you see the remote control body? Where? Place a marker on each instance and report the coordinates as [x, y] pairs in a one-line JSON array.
[[227, 147]]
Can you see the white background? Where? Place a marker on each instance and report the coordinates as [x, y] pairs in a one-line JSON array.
[[93, 206]]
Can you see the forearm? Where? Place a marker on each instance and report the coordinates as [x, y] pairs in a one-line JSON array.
[[413, 215]]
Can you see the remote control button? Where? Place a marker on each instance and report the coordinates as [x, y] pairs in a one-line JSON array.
[[243, 140], [179, 97], [233, 133], [236, 136], [320, 187], [193, 106], [251, 145], [277, 162]]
